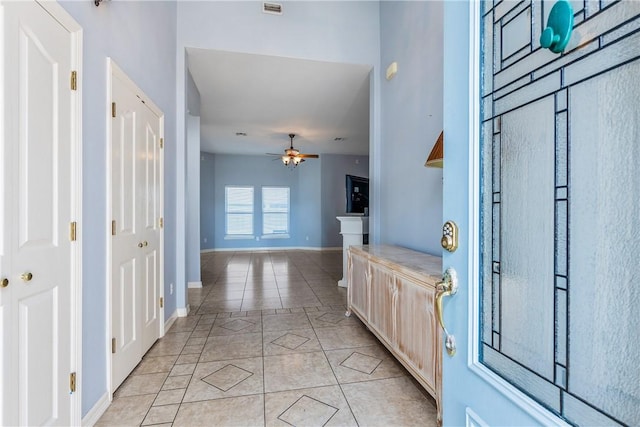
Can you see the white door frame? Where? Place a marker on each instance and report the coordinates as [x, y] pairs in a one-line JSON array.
[[75, 304], [114, 69]]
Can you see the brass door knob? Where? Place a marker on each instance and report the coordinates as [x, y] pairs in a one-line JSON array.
[[4, 283], [26, 276], [145, 243], [140, 244]]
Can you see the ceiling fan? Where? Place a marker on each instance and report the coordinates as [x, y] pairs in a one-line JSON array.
[[293, 156]]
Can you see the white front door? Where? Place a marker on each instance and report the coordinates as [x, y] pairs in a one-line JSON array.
[[38, 254], [540, 174], [136, 230]]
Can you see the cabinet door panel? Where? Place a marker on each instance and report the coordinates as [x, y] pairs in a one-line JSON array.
[[418, 337], [358, 283], [382, 301]]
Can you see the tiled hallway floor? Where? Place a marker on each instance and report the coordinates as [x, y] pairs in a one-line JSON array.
[[267, 344]]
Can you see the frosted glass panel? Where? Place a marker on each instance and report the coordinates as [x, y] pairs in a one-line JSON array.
[[561, 214], [527, 235], [546, 392], [605, 242], [516, 34]]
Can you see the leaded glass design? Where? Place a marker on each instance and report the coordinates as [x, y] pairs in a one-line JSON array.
[[560, 208]]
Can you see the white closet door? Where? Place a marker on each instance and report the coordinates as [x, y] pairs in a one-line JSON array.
[[127, 152], [36, 152], [136, 194], [150, 181]]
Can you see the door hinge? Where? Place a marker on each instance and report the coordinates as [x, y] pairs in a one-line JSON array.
[[161, 302], [73, 229], [113, 345], [113, 227], [161, 222], [72, 382], [74, 80], [161, 142], [113, 109]]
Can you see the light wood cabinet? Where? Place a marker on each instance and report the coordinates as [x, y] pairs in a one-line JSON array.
[[392, 290]]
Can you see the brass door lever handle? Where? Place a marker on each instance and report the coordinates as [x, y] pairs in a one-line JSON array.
[[447, 287]]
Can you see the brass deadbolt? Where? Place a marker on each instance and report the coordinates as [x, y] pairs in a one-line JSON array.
[[4, 283], [449, 239]]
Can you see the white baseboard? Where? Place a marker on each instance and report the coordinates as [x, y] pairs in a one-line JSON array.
[[342, 283], [169, 322], [192, 285], [97, 411], [183, 312], [272, 249]]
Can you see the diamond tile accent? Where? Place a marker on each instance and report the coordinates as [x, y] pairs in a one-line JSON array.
[[227, 377], [308, 411], [331, 318], [361, 363], [290, 341], [237, 325]]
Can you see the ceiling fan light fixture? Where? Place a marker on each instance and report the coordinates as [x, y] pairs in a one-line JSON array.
[[292, 157]]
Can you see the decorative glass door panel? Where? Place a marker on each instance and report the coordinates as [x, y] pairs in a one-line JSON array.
[[560, 208]]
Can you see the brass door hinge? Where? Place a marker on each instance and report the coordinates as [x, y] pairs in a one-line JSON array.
[[113, 227], [72, 382], [113, 109], [74, 80], [161, 222], [113, 345], [73, 229], [161, 302], [161, 142]]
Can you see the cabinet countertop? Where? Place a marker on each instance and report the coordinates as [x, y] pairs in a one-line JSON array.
[[404, 260]]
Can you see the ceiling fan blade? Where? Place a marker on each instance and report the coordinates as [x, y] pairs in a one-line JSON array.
[[308, 156], [273, 154]]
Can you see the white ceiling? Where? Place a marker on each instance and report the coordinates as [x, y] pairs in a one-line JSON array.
[[268, 97]]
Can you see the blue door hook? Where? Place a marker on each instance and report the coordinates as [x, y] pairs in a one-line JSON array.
[[559, 26]]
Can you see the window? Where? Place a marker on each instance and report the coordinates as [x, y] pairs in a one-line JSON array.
[[275, 211], [238, 202]]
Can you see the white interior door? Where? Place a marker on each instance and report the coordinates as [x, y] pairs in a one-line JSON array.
[[127, 151], [39, 148], [541, 175], [136, 231], [150, 227]]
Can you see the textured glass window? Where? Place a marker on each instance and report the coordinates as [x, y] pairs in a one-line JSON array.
[[559, 209]]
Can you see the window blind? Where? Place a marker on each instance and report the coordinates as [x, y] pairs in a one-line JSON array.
[[275, 210], [239, 211]]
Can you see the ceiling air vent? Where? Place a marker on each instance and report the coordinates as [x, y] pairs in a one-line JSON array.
[[272, 8]]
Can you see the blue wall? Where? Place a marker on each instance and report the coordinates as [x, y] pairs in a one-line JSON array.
[[411, 120], [334, 196], [145, 49], [192, 242], [207, 201], [317, 197], [257, 171]]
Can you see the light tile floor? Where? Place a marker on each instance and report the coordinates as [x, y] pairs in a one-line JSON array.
[[267, 344]]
